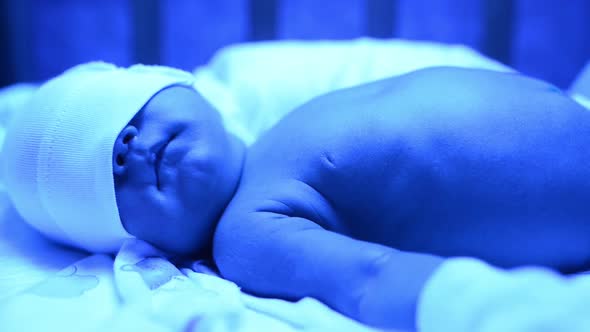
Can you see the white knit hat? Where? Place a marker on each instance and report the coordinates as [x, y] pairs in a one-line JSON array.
[[58, 150]]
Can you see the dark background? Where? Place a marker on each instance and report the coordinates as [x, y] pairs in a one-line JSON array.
[[548, 39]]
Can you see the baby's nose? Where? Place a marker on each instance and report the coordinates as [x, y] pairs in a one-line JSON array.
[[121, 148]]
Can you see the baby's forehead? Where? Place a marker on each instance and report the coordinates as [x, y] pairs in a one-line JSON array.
[[179, 102]]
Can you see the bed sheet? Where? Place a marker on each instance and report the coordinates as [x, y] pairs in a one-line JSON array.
[[44, 286], [141, 289]]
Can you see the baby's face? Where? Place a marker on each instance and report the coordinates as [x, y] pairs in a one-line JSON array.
[[175, 170]]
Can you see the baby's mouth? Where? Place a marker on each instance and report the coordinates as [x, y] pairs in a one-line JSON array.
[[159, 155]]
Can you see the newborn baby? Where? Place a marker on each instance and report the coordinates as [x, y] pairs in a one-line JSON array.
[[354, 198]]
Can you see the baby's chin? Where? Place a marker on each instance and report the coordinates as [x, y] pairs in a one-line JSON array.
[[184, 240], [180, 218], [183, 232]]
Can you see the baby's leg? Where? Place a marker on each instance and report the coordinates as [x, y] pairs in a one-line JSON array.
[[272, 254]]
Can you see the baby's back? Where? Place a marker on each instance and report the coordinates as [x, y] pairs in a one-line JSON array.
[[445, 161]]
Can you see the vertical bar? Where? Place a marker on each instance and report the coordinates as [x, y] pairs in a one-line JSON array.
[[146, 31], [380, 18], [328, 19], [6, 67], [498, 17], [193, 30], [263, 19], [17, 20]]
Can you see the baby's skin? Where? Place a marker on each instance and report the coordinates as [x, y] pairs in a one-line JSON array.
[[449, 162], [356, 197]]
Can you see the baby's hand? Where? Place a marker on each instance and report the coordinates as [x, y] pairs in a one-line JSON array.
[[392, 295]]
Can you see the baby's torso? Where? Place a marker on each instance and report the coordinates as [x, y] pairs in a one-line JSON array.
[[385, 164]]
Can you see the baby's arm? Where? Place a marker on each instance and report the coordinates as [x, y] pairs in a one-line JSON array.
[[270, 254]]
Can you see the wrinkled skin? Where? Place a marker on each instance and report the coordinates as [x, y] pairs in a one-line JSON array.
[[444, 161], [175, 171]]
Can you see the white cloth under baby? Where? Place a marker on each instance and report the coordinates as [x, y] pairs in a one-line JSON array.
[[181, 297]]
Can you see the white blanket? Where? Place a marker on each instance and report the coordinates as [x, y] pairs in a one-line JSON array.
[[255, 85], [466, 295], [142, 290]]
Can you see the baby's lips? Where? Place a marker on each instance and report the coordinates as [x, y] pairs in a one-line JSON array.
[[140, 166]]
